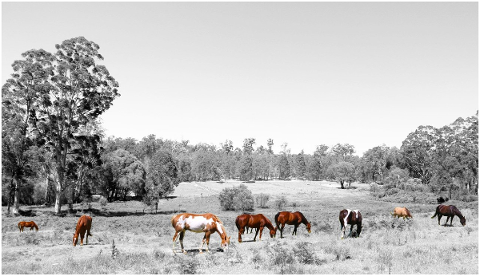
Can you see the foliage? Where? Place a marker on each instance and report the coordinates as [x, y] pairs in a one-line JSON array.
[[262, 200], [280, 203], [236, 198], [342, 172]]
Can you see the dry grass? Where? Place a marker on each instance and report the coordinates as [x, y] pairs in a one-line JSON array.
[[143, 242]]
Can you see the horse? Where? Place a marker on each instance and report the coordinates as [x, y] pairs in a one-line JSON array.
[[84, 224], [401, 212], [30, 224], [207, 223], [450, 212], [258, 222], [352, 217], [289, 218]]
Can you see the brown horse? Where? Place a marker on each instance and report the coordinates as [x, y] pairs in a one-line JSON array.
[[84, 224], [258, 222], [401, 212], [450, 212], [352, 217], [30, 224], [295, 219], [207, 223]]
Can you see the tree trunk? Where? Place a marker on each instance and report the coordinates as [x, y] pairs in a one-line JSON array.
[[58, 205], [15, 198], [70, 200], [341, 184]]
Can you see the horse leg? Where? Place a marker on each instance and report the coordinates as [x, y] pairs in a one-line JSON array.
[[451, 220], [182, 235], [439, 217], [174, 240], [295, 230], [203, 242], [261, 230], [207, 238], [351, 228], [240, 233], [281, 230]]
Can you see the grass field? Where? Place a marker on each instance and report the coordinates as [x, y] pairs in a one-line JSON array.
[[143, 241]]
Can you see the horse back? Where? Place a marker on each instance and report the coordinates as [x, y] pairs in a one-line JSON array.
[[84, 223]]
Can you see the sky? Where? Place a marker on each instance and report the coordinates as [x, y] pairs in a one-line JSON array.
[[305, 74]]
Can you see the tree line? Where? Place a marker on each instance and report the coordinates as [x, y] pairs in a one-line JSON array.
[[54, 150]]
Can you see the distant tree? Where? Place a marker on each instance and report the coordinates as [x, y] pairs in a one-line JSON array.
[[246, 168], [162, 176], [417, 152], [127, 173], [301, 166], [342, 172], [284, 167], [248, 145], [343, 151], [236, 198]]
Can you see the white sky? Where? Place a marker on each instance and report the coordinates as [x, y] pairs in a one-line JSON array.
[[307, 74]]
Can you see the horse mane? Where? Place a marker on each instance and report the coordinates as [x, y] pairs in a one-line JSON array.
[[216, 218], [303, 217], [408, 212]]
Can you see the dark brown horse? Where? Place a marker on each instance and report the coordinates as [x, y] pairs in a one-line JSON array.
[[84, 225], [295, 219], [449, 211], [352, 217], [258, 222], [30, 224]]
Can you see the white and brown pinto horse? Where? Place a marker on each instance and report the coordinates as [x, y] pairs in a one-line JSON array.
[[206, 223], [352, 217]]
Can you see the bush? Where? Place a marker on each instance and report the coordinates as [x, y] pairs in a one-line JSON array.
[[262, 200], [280, 203], [236, 198]]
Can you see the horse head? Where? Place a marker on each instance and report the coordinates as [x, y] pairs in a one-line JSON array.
[[463, 221], [273, 232], [225, 242], [309, 227], [75, 239]]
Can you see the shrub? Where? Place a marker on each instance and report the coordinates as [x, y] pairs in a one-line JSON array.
[[236, 198], [186, 264], [305, 253], [280, 203], [262, 200]]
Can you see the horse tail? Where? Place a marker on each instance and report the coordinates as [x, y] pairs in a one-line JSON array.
[[276, 217], [408, 212], [237, 224], [436, 211], [20, 225]]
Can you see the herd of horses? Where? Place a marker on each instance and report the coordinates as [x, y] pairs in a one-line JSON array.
[[209, 223]]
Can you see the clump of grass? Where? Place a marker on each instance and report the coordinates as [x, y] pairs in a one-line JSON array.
[[186, 264], [280, 203], [341, 251], [385, 259], [305, 253]]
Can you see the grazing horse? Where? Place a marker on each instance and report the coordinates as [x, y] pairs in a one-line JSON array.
[[352, 217], [30, 224], [207, 223], [84, 224], [450, 212], [254, 221], [401, 212], [289, 218]]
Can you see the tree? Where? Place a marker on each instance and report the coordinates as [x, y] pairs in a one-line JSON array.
[[343, 151], [301, 166], [375, 162], [162, 176], [417, 152], [284, 167], [342, 172], [19, 95], [73, 90], [127, 173]]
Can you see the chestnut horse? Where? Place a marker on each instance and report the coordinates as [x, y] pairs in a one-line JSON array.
[[401, 212], [295, 219], [30, 224], [258, 222], [352, 217], [207, 223], [84, 224], [450, 212]]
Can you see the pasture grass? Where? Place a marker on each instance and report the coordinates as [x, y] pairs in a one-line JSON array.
[[143, 241]]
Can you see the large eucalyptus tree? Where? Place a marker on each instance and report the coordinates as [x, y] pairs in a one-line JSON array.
[[68, 90]]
